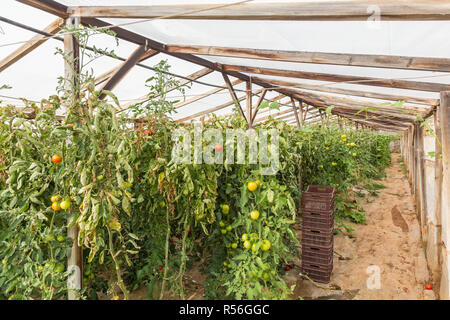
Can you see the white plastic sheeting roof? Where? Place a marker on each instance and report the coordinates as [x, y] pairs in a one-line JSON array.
[[35, 76]]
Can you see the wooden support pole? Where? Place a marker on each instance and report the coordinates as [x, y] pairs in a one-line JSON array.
[[421, 185], [260, 100], [233, 95], [306, 112], [248, 88], [444, 117], [75, 260], [299, 125]]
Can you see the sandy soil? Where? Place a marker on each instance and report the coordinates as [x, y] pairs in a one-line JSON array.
[[390, 240]]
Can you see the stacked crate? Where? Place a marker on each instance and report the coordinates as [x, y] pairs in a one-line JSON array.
[[317, 232]]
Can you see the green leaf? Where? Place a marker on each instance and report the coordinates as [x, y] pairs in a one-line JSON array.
[[274, 105], [329, 109], [264, 104], [126, 205]]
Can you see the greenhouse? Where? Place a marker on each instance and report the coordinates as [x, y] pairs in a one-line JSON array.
[[224, 150]]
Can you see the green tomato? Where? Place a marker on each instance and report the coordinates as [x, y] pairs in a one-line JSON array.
[[225, 209], [49, 238], [223, 231], [65, 204], [265, 245], [254, 214], [244, 237], [59, 268], [221, 224], [253, 236], [60, 238], [247, 244], [234, 245], [229, 228], [254, 249]]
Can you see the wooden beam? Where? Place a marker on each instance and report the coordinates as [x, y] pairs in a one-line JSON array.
[[71, 67], [260, 100], [300, 104], [366, 81], [49, 6], [203, 95], [363, 107], [107, 75], [405, 109], [344, 59], [299, 125], [306, 112], [248, 88], [193, 76], [366, 94], [445, 204], [30, 45], [124, 68], [233, 95], [299, 11]]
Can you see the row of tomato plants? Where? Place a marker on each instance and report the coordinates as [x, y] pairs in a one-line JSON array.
[[144, 219]]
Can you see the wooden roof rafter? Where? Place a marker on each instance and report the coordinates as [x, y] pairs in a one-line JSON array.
[[300, 11], [342, 59], [356, 80]]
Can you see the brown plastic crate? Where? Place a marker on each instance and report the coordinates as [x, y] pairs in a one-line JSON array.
[[321, 190], [318, 272], [317, 237], [317, 224], [317, 218], [318, 213], [318, 276], [319, 249], [317, 204], [317, 258]]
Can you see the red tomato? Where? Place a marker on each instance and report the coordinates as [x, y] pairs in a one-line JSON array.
[[56, 159], [160, 267], [148, 132], [139, 179], [287, 267], [428, 286], [189, 231], [219, 147]]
